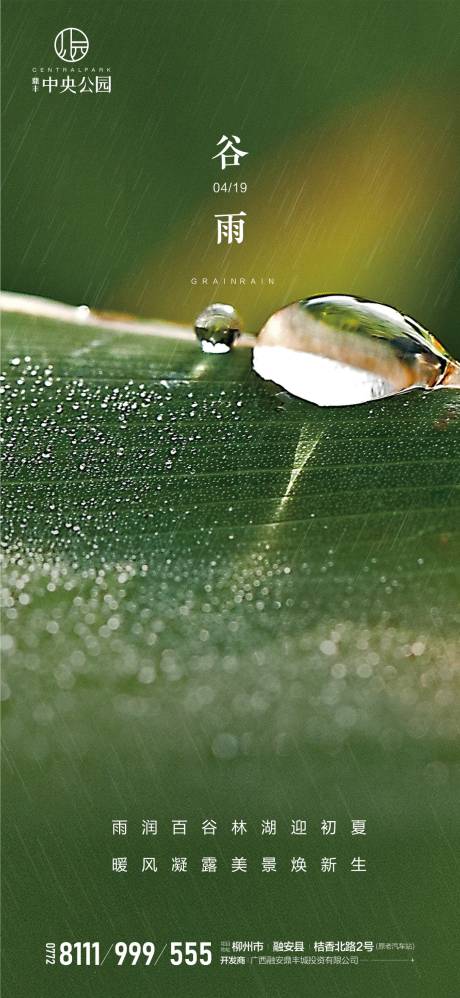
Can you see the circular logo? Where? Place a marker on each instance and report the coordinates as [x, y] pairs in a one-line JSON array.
[[71, 44]]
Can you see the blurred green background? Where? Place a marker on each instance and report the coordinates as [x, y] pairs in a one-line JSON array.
[[219, 601], [346, 109]]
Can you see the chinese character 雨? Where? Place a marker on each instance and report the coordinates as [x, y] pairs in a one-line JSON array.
[[229, 155], [119, 827], [230, 227]]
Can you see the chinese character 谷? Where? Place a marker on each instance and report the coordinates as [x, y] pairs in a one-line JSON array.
[[229, 154], [230, 227], [209, 826]]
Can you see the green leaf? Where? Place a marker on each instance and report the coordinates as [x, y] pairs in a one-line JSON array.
[[183, 540], [221, 601]]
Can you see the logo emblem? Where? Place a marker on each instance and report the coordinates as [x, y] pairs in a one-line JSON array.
[[71, 44]]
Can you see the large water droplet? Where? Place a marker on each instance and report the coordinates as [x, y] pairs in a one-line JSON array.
[[341, 350], [217, 327]]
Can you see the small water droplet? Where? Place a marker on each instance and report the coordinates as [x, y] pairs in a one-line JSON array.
[[83, 313], [342, 350], [217, 327]]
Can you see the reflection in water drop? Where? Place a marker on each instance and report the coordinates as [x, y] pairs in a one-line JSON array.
[[217, 327], [341, 350]]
